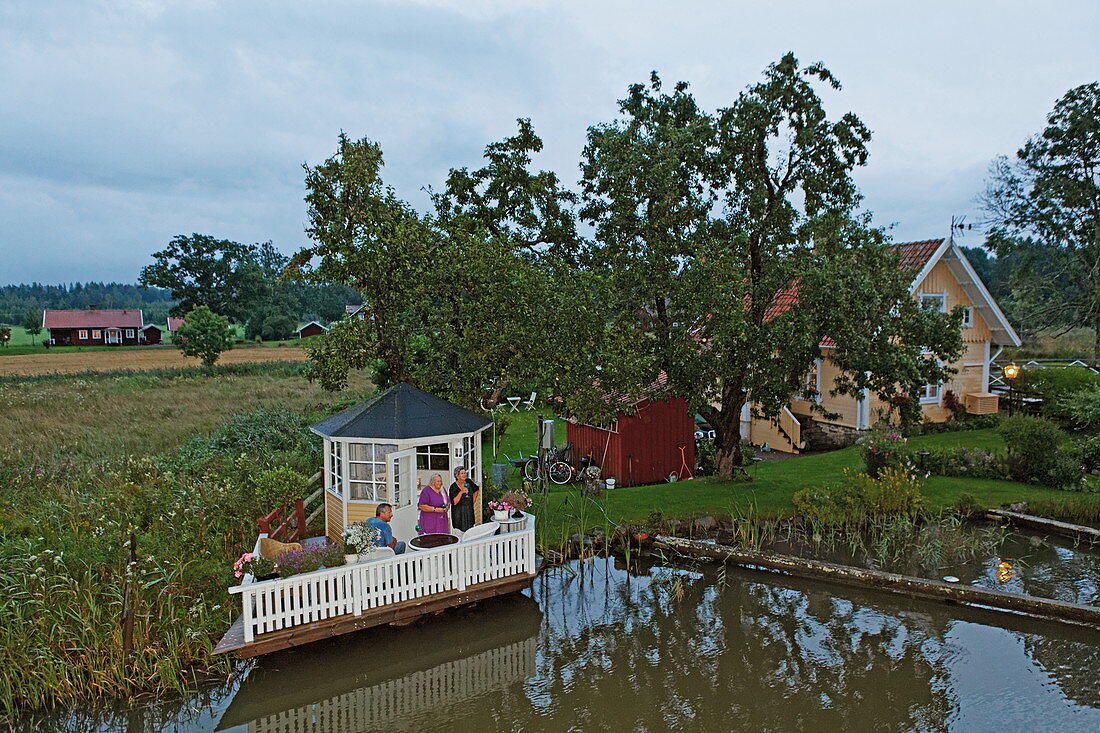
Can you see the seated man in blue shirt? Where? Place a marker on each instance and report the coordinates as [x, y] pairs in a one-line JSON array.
[[381, 521]]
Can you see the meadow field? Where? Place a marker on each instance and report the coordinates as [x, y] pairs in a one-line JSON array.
[[135, 358]]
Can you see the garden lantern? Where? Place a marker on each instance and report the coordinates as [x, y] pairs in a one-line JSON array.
[[1012, 371]]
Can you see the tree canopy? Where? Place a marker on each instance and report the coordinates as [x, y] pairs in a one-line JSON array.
[[204, 334], [1048, 197]]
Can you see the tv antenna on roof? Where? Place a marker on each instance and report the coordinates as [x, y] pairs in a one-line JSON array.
[[958, 224]]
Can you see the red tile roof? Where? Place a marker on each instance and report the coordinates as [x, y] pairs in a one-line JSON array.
[[174, 324], [915, 255], [92, 318]]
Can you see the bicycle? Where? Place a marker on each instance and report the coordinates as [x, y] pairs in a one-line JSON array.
[[559, 471]]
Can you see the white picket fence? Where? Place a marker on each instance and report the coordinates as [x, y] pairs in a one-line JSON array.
[[271, 605]]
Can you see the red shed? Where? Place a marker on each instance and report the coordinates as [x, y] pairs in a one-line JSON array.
[[655, 439], [313, 328]]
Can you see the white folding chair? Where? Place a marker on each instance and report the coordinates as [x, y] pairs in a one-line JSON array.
[[480, 531], [530, 403]]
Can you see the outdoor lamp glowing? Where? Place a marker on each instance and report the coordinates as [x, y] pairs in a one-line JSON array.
[[1012, 371]]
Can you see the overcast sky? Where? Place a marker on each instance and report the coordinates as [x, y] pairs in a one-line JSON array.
[[125, 123]]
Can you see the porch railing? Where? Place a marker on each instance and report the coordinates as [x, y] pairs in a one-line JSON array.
[[272, 605]]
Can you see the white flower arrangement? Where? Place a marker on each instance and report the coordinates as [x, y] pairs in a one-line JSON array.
[[361, 537]]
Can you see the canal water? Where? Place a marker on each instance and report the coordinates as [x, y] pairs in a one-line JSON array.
[[593, 646]]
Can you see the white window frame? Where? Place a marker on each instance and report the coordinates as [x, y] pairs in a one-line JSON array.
[[426, 452], [373, 489], [941, 297], [968, 316], [82, 334], [931, 394], [129, 333], [96, 334]]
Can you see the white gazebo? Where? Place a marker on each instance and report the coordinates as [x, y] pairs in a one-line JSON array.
[[382, 449]]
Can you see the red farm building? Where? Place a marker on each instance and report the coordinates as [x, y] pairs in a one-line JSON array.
[[93, 327], [643, 445], [313, 328]]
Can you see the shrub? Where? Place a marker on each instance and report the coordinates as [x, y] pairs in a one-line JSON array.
[[1088, 453], [967, 505], [1078, 410], [269, 429], [1032, 443], [1053, 382], [279, 487], [1063, 471], [704, 457], [961, 462], [882, 448], [897, 492]]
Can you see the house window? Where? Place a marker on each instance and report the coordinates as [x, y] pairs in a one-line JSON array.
[[934, 301], [96, 333], [811, 383], [129, 333], [930, 394], [968, 317], [433, 457], [82, 334], [367, 470]]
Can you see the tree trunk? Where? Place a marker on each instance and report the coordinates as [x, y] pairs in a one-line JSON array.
[[728, 456], [1096, 342]]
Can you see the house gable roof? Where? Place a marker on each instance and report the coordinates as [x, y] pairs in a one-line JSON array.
[[92, 318], [401, 412], [311, 323], [174, 323], [981, 300]]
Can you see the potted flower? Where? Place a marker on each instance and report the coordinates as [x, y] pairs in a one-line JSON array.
[[501, 510], [360, 538], [311, 558], [516, 502], [260, 568]]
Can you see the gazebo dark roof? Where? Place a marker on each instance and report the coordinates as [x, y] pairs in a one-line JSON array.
[[401, 412]]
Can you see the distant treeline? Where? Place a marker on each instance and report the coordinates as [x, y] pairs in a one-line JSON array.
[[323, 303], [17, 300]]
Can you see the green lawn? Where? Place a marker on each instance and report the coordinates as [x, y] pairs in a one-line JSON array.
[[768, 493]]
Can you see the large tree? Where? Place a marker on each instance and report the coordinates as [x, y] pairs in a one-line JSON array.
[[735, 245], [1051, 192], [367, 238], [203, 270], [204, 334]]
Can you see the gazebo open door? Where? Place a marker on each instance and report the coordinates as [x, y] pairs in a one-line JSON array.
[[402, 477]]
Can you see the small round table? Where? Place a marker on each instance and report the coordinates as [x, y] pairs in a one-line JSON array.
[[432, 540], [512, 524]]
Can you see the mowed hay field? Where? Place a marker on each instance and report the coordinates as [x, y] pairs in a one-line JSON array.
[[134, 360], [121, 414]]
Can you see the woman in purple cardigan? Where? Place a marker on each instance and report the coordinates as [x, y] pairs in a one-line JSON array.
[[433, 507]]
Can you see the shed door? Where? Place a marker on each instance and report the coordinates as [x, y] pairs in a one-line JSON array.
[[402, 476]]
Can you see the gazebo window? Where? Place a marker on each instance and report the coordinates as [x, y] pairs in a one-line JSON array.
[[469, 455], [367, 470], [335, 467], [433, 457]]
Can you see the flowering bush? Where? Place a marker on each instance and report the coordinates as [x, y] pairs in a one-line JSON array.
[[516, 500], [882, 448], [501, 506], [254, 565], [308, 559], [361, 537]]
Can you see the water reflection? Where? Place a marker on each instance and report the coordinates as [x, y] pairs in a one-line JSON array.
[[595, 647]]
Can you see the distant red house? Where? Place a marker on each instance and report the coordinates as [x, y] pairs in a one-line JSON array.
[[174, 324], [93, 327], [313, 328], [644, 445]]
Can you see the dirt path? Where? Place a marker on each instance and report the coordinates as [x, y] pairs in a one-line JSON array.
[[133, 360]]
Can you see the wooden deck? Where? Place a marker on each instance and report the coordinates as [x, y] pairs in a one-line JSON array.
[[234, 640]]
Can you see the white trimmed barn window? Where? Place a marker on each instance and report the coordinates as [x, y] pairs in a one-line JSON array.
[[82, 334], [968, 317], [811, 383], [129, 333], [96, 333], [930, 393], [367, 470]]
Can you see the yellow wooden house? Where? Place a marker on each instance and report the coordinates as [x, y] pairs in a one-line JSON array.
[[942, 279]]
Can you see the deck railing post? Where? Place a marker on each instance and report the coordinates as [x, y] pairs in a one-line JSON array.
[[247, 601], [460, 565]]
